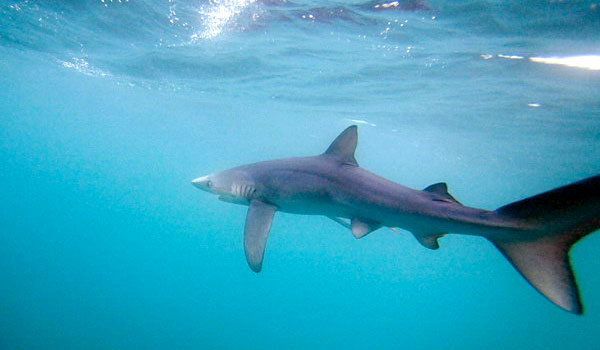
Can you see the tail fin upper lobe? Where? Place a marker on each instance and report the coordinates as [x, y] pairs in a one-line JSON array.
[[563, 216]]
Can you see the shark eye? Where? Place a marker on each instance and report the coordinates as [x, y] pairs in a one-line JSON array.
[[209, 184]]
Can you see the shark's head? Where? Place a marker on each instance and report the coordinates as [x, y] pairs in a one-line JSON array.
[[233, 185]]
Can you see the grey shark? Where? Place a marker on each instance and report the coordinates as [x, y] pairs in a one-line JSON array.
[[534, 234]]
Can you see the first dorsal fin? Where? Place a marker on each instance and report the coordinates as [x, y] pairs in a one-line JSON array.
[[441, 189], [343, 147]]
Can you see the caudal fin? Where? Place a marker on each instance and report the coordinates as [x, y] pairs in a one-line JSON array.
[[561, 216]]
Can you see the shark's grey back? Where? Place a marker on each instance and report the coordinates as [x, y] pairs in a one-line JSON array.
[[535, 234]]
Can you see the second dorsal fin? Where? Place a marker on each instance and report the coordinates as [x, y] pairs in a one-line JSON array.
[[441, 189], [343, 147]]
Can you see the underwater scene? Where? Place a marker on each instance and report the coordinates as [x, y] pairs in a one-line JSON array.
[[110, 108]]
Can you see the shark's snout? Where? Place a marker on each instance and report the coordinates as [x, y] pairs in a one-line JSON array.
[[202, 183]]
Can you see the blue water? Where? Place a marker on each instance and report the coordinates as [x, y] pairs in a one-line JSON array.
[[109, 108]]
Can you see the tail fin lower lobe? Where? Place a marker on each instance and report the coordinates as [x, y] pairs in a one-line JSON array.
[[563, 216]]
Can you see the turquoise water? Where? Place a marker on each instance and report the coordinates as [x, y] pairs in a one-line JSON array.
[[108, 109]]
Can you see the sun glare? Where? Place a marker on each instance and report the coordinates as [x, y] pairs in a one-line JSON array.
[[591, 62]]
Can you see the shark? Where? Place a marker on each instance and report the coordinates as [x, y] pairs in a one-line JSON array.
[[535, 234]]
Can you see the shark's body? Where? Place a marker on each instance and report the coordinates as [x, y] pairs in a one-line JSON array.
[[535, 234]]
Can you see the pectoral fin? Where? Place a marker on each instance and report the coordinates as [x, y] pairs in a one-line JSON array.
[[361, 228], [256, 231]]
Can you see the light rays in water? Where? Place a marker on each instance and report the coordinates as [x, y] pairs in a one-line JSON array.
[[217, 15]]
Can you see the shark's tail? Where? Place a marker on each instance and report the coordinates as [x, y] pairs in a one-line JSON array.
[[561, 216]]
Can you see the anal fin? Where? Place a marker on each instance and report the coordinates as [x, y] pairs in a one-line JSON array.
[[362, 227], [429, 241]]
